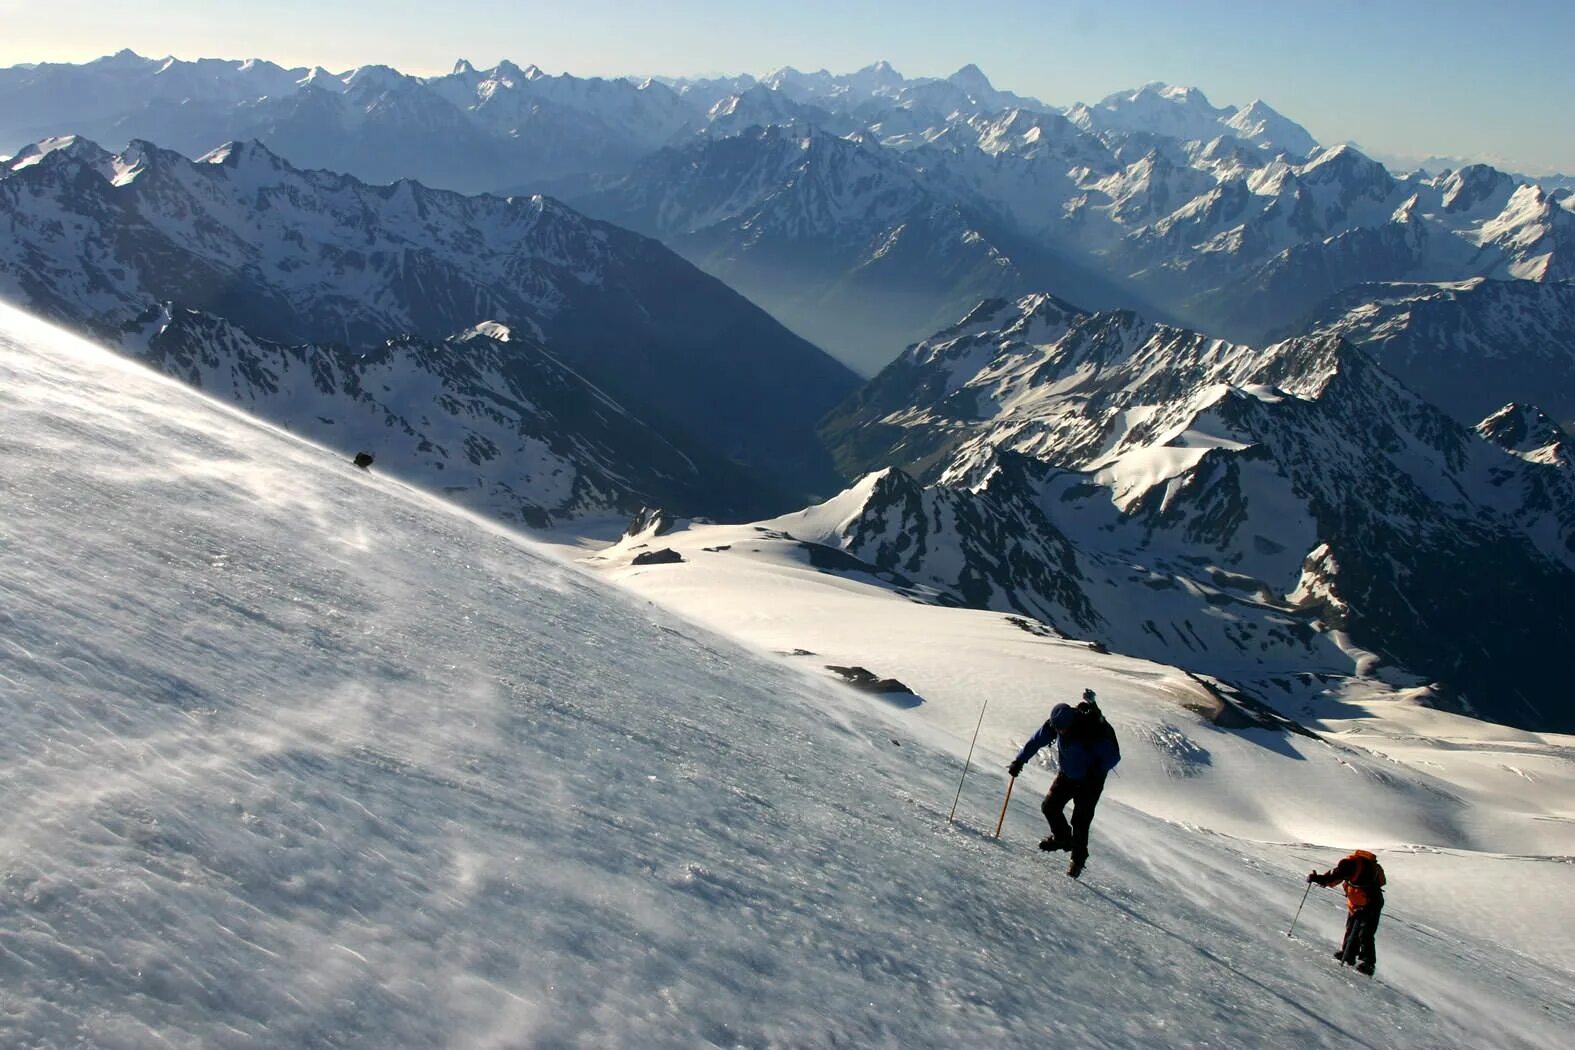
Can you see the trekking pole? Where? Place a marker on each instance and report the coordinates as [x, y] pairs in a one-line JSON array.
[[1291, 932], [1009, 785], [968, 760]]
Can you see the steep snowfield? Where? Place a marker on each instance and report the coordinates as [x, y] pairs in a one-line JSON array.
[[298, 756], [1384, 771]]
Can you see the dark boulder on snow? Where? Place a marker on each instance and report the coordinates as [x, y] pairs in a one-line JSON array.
[[865, 680], [665, 556], [363, 460]]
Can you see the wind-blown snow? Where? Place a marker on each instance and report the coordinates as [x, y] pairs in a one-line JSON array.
[[298, 756]]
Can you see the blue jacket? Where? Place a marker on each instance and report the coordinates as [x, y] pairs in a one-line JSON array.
[[1087, 747]]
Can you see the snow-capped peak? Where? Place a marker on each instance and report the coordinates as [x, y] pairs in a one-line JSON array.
[[236, 155], [1179, 93], [1261, 125], [375, 78], [972, 80], [122, 59], [494, 330], [321, 79]]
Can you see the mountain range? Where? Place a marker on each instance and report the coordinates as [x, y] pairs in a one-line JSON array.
[[1258, 515], [907, 200], [105, 241]]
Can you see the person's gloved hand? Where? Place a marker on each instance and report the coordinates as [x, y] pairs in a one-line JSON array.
[[1014, 767], [1312, 876]]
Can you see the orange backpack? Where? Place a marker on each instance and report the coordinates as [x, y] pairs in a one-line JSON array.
[[1367, 881]]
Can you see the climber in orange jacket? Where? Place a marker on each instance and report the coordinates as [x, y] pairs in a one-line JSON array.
[[1364, 897]]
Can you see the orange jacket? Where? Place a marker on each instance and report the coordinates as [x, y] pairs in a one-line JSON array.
[[1363, 877]]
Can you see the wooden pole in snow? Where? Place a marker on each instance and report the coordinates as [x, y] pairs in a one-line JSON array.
[[1009, 785]]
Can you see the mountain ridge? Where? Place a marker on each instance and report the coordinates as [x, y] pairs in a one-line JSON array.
[[1302, 509], [301, 257]]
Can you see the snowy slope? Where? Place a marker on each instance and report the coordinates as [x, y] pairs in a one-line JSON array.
[[1452, 789], [1432, 788], [299, 756]]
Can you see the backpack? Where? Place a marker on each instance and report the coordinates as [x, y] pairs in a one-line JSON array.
[[1367, 881], [1370, 873], [1101, 735]]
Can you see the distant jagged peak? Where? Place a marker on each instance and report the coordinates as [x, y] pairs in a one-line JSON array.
[[496, 331], [1014, 316], [1472, 185], [1260, 124], [1255, 111], [322, 80], [138, 158], [1030, 132], [239, 154], [1176, 94], [1526, 431], [758, 103], [1226, 146], [376, 78], [1409, 210], [789, 75], [880, 71], [988, 315], [50, 153], [1346, 165], [66, 145], [886, 485], [463, 67], [1340, 154], [125, 58], [1044, 306], [972, 80], [507, 72]]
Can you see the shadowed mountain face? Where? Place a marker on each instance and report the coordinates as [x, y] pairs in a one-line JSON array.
[[488, 418], [838, 238], [308, 257], [1471, 347], [1242, 512]]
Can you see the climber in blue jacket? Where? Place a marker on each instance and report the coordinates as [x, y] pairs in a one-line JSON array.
[[1088, 752]]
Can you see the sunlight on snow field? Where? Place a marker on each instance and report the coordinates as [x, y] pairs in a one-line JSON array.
[[296, 755]]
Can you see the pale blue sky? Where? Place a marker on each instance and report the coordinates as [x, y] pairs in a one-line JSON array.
[[1482, 78]]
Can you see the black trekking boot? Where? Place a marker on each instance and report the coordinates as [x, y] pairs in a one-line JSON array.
[[1075, 868], [1365, 966], [1052, 844]]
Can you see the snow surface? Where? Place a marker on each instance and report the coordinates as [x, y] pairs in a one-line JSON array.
[[297, 755]]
